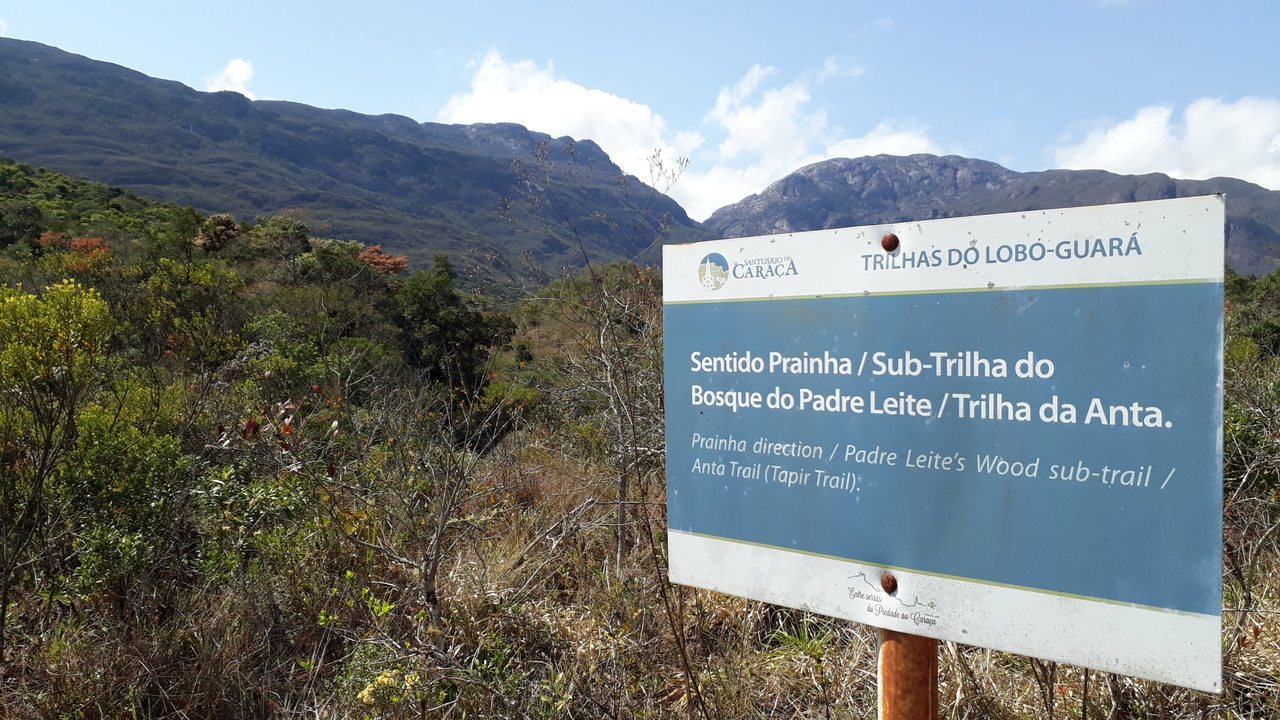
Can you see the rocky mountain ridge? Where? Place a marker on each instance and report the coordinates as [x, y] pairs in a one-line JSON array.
[[518, 203], [883, 189]]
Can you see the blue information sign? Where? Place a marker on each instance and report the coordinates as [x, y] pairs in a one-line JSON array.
[[1019, 415]]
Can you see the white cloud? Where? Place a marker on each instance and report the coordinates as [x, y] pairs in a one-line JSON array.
[[236, 76], [886, 139], [776, 124], [771, 132], [4, 26], [833, 68], [763, 130], [523, 92], [1213, 137]]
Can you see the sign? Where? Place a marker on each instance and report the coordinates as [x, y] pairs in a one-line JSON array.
[[1018, 416]]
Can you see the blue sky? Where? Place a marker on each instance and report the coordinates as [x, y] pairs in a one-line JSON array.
[[747, 91]]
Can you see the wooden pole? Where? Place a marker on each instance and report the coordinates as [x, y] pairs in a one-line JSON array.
[[908, 677]]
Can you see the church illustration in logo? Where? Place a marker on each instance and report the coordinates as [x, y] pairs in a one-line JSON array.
[[713, 272]]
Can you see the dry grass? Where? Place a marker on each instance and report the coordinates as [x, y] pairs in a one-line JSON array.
[[538, 620], [588, 639]]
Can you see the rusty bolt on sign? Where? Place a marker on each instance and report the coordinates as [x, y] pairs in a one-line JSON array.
[[889, 583], [889, 242]]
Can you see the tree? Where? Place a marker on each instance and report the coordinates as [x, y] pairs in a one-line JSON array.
[[52, 350], [20, 221], [382, 262], [276, 239], [217, 232], [442, 334]]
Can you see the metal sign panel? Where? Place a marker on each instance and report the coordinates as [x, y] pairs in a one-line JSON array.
[[1018, 416]]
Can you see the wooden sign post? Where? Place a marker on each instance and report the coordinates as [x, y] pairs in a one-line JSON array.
[[908, 679]]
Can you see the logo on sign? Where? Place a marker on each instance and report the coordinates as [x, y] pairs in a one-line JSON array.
[[713, 271], [766, 268]]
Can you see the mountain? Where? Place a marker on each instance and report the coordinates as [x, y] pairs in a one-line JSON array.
[[416, 188], [884, 189], [421, 188]]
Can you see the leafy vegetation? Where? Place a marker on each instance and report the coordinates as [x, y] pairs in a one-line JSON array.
[[247, 471]]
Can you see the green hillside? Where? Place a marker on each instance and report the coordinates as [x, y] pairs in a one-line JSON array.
[[415, 188]]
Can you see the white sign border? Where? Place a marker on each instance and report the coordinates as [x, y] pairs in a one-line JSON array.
[[1009, 619]]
